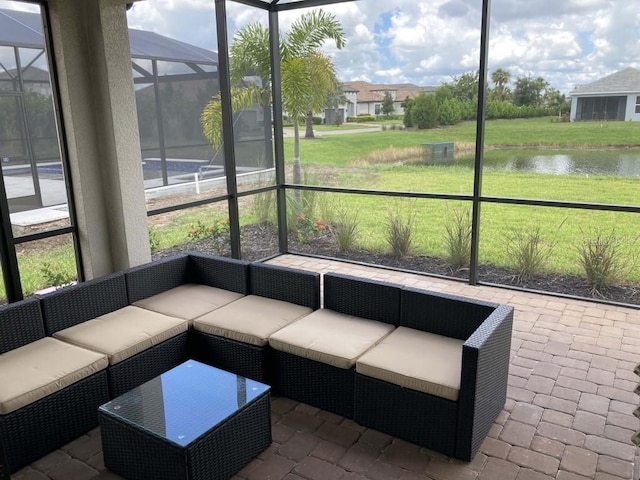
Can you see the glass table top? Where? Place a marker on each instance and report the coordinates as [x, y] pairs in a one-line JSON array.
[[185, 402]]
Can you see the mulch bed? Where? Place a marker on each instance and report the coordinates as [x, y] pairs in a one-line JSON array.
[[261, 241]]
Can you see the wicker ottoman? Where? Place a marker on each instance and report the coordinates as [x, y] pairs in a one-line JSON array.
[[192, 422]]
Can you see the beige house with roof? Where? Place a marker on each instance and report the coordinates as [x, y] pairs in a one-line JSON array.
[[369, 96], [614, 97]]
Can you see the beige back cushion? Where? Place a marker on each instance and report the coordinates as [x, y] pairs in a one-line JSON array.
[[188, 301], [123, 333], [418, 360], [330, 337], [252, 319], [43, 367]]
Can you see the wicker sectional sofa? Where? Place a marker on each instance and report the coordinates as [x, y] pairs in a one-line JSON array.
[[64, 354]]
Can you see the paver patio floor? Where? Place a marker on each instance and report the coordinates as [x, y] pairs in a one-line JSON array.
[[568, 414]]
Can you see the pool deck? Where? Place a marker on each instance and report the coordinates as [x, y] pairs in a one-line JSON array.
[[568, 415]]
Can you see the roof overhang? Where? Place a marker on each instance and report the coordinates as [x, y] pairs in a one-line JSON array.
[[602, 94]]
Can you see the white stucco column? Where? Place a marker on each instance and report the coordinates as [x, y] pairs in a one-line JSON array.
[[574, 109], [92, 54]]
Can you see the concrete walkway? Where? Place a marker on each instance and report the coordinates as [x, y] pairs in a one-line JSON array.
[[568, 414], [288, 132]]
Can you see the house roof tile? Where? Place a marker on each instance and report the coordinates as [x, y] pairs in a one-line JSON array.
[[624, 81], [374, 92]]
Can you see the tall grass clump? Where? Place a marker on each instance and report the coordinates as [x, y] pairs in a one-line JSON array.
[[602, 259], [154, 238], [302, 203], [263, 207], [344, 230], [457, 237], [399, 230], [393, 155], [528, 251], [302, 212]]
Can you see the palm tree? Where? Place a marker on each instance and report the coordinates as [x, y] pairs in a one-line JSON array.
[[500, 78], [308, 76]]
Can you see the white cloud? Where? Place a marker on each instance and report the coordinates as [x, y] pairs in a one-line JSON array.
[[427, 41], [22, 6]]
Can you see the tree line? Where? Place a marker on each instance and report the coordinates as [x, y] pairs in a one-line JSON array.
[[457, 100]]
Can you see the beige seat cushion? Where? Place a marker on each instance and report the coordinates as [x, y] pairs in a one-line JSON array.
[[418, 360], [330, 337], [188, 301], [252, 319], [123, 333], [41, 368]]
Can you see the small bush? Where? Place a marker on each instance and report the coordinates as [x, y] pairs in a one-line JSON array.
[[55, 276], [344, 231], [389, 117], [363, 117], [218, 232], [424, 111], [400, 232], [317, 120], [307, 228], [601, 258], [528, 251], [458, 237]]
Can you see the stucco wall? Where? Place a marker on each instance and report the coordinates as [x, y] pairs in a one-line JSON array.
[[91, 44]]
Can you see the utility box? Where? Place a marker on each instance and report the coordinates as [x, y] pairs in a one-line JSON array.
[[438, 152]]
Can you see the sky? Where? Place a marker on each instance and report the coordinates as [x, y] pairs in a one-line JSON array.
[[567, 42]]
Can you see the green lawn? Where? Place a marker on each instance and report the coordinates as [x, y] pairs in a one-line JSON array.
[[344, 126], [566, 227], [336, 160], [340, 150]]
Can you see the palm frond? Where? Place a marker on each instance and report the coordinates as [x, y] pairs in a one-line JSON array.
[[311, 30], [249, 53], [241, 98]]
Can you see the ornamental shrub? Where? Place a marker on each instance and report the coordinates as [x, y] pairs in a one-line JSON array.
[[365, 117], [424, 111]]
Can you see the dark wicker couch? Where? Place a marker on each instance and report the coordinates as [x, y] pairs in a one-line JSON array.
[[454, 428], [36, 429]]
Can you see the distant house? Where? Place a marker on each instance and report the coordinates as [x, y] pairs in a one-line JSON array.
[[344, 110], [34, 79], [614, 97], [369, 96]]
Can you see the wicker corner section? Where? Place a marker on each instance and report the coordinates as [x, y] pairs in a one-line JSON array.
[[285, 284], [42, 426]]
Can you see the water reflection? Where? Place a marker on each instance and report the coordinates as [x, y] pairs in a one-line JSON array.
[[609, 162]]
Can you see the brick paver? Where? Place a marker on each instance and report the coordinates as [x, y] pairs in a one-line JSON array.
[[568, 414]]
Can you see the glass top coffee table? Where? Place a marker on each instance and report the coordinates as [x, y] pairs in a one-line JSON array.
[[192, 422]]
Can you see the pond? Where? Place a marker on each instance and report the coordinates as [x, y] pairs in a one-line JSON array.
[[625, 163]]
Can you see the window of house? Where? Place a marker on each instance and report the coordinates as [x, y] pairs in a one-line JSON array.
[[638, 104], [377, 108]]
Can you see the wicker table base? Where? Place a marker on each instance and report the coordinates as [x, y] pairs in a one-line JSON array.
[[194, 422]]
